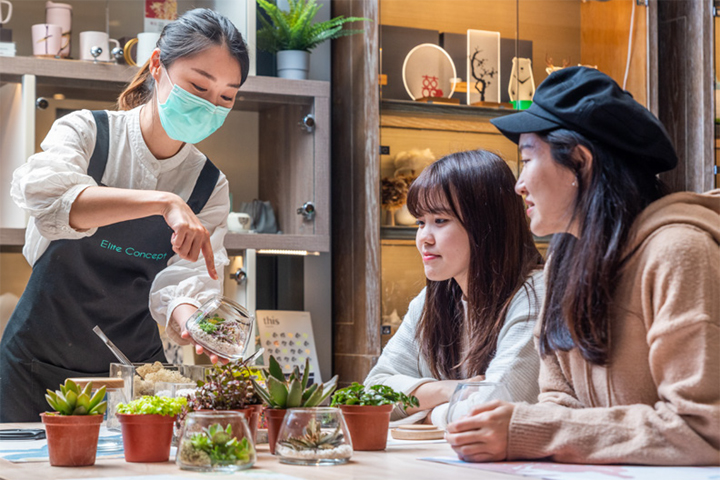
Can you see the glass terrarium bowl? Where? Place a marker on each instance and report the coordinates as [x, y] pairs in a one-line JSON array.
[[314, 436], [215, 442], [222, 326]]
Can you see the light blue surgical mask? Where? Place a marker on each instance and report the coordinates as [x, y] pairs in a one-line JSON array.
[[187, 117]]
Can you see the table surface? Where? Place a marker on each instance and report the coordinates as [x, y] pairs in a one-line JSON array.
[[398, 462]]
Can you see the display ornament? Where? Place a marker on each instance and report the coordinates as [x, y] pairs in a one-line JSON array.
[[428, 73], [483, 66]]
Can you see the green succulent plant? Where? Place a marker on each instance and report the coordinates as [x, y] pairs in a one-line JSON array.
[[217, 446], [279, 392], [70, 400], [314, 438], [294, 29]]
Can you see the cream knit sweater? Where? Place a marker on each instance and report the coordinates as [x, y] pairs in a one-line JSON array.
[[658, 400], [515, 363]]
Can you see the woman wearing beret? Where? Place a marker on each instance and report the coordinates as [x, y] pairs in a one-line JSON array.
[[630, 331]]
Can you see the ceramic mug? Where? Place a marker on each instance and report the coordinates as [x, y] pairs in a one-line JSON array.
[[9, 12], [60, 14], [96, 39], [239, 222], [146, 43], [47, 40]]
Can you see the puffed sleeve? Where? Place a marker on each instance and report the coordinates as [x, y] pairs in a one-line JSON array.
[[49, 182], [183, 281]]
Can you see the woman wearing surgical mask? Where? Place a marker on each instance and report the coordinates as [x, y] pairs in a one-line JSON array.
[[127, 218]]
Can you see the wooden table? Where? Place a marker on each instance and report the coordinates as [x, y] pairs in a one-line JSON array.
[[395, 463]]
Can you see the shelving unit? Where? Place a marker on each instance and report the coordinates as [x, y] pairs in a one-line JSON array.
[[293, 160]]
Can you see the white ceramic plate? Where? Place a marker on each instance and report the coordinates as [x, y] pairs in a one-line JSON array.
[[428, 71]]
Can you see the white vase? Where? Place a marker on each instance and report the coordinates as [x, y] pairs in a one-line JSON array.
[[403, 216], [61, 14], [293, 64]]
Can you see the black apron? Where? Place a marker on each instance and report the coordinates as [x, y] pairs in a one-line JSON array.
[[103, 280]]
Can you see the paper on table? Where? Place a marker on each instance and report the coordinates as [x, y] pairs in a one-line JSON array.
[[36, 450], [563, 471], [250, 474]]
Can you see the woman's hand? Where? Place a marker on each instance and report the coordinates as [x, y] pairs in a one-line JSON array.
[[482, 436], [180, 316], [189, 236]]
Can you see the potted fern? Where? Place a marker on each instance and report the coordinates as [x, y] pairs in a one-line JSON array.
[[74, 426], [292, 34]]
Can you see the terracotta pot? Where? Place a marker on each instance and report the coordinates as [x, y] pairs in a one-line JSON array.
[[368, 425], [72, 439], [146, 438], [274, 417]]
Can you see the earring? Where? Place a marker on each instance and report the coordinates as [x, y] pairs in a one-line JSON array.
[[574, 183]]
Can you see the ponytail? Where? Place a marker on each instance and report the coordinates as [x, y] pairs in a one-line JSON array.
[[139, 91]]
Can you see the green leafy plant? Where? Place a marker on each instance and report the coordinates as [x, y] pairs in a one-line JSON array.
[[70, 400], [294, 29], [226, 387], [217, 446], [279, 392], [357, 394], [149, 405], [314, 438]]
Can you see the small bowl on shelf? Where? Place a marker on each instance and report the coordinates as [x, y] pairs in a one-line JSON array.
[[314, 436], [218, 441]]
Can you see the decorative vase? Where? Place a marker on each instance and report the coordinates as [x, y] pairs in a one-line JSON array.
[[72, 439], [274, 417], [314, 436], [368, 425], [403, 216], [293, 64], [146, 438], [61, 14]]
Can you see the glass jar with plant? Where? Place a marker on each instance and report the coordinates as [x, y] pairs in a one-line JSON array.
[[292, 34], [279, 394], [74, 426], [215, 441], [147, 427], [367, 412], [314, 436]]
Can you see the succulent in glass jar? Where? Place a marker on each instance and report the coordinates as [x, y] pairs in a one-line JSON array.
[[314, 436], [215, 441], [221, 326]]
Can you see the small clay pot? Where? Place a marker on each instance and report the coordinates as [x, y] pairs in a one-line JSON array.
[[368, 425], [146, 438], [274, 417], [72, 439]]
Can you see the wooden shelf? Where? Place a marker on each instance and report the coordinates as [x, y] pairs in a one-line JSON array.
[[13, 239], [408, 114], [102, 81]]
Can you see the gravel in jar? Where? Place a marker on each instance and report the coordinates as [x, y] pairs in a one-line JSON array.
[[343, 451]]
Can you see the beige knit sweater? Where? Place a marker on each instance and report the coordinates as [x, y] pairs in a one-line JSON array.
[[658, 401]]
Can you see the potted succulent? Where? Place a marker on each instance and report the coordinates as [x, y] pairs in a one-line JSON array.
[[228, 387], [292, 34], [280, 393], [147, 427], [314, 436], [74, 426], [367, 412]]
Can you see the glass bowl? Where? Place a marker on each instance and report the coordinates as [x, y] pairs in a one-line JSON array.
[[215, 442], [222, 326], [314, 436]]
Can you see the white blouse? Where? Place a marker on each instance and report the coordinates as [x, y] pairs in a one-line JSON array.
[[48, 184]]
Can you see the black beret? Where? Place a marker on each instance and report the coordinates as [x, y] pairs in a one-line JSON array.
[[589, 102]]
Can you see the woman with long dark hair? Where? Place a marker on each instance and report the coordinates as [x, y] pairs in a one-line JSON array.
[[474, 320], [629, 335], [127, 218]]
